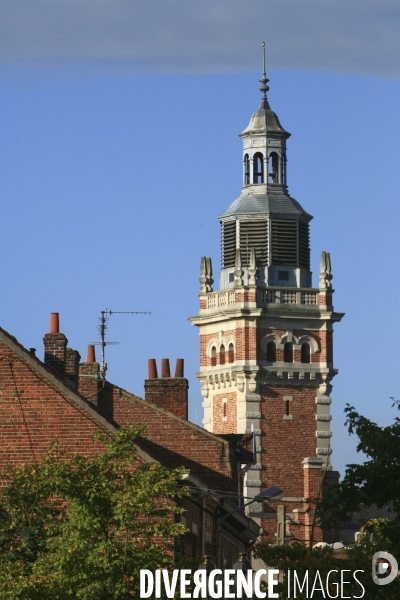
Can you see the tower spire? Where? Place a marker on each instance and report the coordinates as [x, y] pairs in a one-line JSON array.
[[264, 81]]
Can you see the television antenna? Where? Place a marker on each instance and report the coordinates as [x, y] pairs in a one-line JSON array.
[[102, 327]]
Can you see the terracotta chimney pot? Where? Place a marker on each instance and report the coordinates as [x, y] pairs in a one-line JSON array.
[[179, 367], [165, 372], [152, 368], [91, 354], [54, 323]]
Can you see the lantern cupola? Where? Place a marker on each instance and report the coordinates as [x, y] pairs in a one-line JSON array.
[[265, 217]]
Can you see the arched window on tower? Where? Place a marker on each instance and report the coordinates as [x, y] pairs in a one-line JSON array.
[[258, 168], [222, 355], [271, 352], [288, 352], [305, 353], [246, 178], [213, 356], [231, 353], [274, 168]]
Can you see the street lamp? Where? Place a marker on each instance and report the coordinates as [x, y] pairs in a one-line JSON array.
[[272, 494]]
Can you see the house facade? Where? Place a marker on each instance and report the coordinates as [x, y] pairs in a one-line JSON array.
[[64, 400]]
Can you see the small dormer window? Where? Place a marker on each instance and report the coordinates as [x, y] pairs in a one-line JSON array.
[[274, 168], [258, 168], [246, 169]]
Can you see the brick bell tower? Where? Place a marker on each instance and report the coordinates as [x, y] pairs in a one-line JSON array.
[[266, 353]]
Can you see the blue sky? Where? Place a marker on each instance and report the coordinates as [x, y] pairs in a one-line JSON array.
[[119, 148]]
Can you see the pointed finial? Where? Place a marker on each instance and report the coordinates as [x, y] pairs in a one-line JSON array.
[[252, 267], [264, 87], [238, 272], [206, 279], [203, 275], [210, 280], [325, 274], [264, 73]]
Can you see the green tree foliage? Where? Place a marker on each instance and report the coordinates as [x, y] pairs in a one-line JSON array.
[[376, 482], [297, 557], [317, 563], [73, 527]]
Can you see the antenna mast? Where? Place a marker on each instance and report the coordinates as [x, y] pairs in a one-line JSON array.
[[105, 315]]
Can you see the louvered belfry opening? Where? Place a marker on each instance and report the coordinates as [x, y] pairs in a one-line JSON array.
[[290, 242], [228, 244], [304, 245], [254, 234], [284, 242]]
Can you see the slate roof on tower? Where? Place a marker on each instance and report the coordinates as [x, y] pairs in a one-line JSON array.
[[274, 202], [263, 120]]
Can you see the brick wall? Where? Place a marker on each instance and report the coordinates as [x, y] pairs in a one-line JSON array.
[[320, 337], [325, 300], [172, 440], [286, 442], [225, 413], [55, 349], [72, 359], [313, 479], [88, 380], [205, 360], [246, 343], [246, 296], [170, 393], [326, 338], [37, 409]]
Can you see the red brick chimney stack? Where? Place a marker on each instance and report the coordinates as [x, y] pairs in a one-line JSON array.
[[89, 376], [72, 365], [170, 393], [55, 346]]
